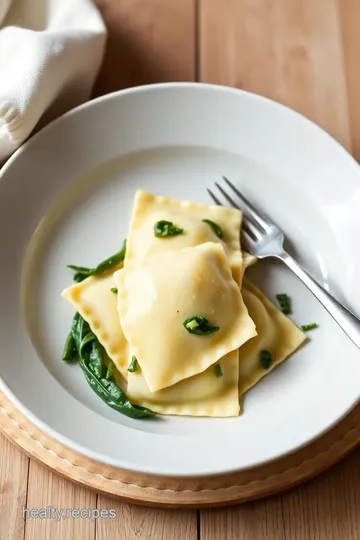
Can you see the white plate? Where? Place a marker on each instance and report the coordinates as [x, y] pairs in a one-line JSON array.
[[65, 197]]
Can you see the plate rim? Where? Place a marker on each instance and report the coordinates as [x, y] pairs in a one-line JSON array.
[[115, 95], [168, 85]]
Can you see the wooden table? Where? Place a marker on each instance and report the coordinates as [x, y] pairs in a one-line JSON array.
[[303, 53]]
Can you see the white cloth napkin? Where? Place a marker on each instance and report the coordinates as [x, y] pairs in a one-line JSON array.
[[50, 53]]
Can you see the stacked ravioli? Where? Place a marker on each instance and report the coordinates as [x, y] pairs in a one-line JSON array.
[[165, 281]]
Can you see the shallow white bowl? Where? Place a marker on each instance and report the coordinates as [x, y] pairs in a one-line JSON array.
[[65, 197]]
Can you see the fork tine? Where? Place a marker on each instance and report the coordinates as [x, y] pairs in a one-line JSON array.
[[247, 241], [214, 198], [250, 208], [227, 197], [250, 226], [251, 229]]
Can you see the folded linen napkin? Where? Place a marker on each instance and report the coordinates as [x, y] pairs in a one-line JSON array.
[[50, 53]]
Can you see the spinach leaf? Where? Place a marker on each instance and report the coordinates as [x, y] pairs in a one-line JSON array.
[[133, 366], [307, 327], [80, 331], [96, 359], [81, 272], [79, 268], [284, 303], [215, 227], [218, 371], [265, 359], [70, 350], [113, 395], [166, 228], [86, 347], [80, 276], [88, 337], [199, 326], [110, 371]]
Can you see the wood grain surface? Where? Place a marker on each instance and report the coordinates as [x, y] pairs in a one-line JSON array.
[[303, 53]]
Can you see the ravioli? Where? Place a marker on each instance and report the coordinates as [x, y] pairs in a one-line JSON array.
[[157, 297], [97, 304], [276, 334], [201, 395], [149, 209], [247, 259]]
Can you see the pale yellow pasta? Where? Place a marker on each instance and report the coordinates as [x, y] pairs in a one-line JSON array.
[[158, 296], [148, 209], [201, 395], [97, 304], [276, 334], [168, 280], [247, 259]]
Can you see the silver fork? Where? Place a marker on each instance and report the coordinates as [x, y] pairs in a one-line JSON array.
[[264, 239]]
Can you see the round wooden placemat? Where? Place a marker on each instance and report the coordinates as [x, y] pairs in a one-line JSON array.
[[182, 492]]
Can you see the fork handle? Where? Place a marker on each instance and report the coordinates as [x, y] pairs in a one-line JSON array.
[[347, 321]]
